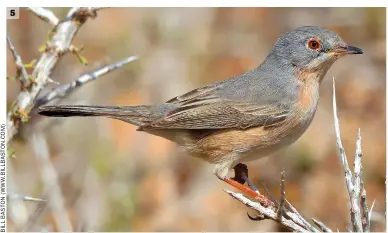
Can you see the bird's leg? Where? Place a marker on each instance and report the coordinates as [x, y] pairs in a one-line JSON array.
[[240, 172], [240, 178]]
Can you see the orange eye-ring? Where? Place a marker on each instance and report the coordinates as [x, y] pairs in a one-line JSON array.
[[314, 44]]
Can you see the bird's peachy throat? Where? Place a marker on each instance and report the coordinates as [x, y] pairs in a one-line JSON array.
[[316, 69], [306, 75]]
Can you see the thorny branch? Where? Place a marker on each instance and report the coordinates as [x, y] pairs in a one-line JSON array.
[[267, 212], [289, 218], [58, 44], [293, 220], [354, 183]]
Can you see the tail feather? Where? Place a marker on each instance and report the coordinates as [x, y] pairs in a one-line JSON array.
[[136, 115]]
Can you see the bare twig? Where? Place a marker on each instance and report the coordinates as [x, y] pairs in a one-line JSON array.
[[353, 183], [370, 212], [21, 70], [322, 226], [21, 197], [348, 173], [301, 218], [267, 212], [282, 195], [365, 210], [66, 89], [49, 177], [45, 15], [81, 12], [58, 45], [358, 179]]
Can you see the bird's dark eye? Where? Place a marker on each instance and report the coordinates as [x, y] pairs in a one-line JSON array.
[[314, 44]]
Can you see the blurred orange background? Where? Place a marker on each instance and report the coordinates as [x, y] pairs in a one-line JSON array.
[[113, 178]]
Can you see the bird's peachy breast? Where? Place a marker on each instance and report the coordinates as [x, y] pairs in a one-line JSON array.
[[308, 88], [305, 106], [269, 141]]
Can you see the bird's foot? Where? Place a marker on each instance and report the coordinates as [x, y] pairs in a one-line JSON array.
[[240, 178]]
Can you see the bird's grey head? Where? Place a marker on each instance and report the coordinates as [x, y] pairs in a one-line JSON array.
[[311, 48]]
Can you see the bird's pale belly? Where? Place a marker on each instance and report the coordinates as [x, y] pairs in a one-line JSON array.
[[257, 152], [286, 137]]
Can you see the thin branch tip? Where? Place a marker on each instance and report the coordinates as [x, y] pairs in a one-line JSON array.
[[353, 182], [21, 197], [45, 15], [67, 89], [371, 209], [21, 70]]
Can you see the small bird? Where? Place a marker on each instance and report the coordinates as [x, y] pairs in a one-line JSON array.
[[243, 118]]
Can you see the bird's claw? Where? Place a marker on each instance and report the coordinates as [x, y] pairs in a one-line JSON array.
[[258, 217]]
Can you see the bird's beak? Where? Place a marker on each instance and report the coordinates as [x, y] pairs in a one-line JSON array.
[[346, 50]]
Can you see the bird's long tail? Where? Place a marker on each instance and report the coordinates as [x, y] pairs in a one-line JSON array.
[[136, 115]]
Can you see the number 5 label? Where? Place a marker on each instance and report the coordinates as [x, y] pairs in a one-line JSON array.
[[12, 12]]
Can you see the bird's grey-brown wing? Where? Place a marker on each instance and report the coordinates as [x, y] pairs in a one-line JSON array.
[[203, 109]]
